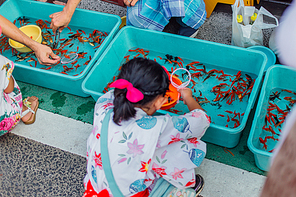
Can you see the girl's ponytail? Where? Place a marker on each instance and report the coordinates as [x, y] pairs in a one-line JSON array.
[[145, 78], [123, 108]]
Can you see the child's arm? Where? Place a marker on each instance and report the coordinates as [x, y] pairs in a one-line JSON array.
[[190, 125], [191, 103]]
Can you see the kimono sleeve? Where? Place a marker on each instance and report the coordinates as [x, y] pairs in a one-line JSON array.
[[105, 101], [177, 128]]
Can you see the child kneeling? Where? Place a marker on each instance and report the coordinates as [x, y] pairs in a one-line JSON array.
[[137, 154]]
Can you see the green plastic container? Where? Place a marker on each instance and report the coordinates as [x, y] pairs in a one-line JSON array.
[[13, 9], [277, 77], [225, 56]]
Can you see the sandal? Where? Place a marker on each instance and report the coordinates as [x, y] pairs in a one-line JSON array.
[[199, 184], [32, 118]]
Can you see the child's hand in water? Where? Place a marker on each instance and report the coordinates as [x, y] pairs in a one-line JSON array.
[[188, 100], [186, 94]]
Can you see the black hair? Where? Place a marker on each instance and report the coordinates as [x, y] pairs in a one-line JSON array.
[[147, 76]]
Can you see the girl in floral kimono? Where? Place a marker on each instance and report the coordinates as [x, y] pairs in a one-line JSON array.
[[144, 150]]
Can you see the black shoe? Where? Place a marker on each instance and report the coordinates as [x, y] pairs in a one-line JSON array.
[[172, 27], [199, 184], [188, 32]]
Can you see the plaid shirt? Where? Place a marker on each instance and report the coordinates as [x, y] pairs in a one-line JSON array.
[[155, 14]]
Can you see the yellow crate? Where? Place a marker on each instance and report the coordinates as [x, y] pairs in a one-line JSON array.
[[123, 22], [211, 4]]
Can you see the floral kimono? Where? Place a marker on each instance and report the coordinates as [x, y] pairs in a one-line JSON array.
[[145, 148], [10, 104]]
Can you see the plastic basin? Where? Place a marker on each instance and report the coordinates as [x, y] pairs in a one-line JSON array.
[[271, 58], [278, 77], [82, 19]]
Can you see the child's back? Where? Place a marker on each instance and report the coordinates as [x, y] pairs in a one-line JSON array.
[[141, 147]]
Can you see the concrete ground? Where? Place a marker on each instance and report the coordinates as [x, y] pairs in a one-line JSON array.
[[47, 158], [50, 161]]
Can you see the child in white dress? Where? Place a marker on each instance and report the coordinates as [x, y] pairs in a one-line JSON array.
[[10, 98], [143, 148], [12, 107]]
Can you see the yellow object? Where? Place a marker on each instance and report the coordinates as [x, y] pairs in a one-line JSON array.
[[123, 22], [211, 4], [32, 31], [239, 18], [253, 17]]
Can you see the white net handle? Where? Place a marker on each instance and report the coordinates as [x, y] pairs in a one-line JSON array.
[[183, 85]]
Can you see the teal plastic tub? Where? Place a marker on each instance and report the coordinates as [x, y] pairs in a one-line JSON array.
[[82, 19], [278, 79], [214, 55], [271, 58]]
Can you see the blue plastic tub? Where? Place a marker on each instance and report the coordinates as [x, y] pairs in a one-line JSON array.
[[82, 19], [278, 77], [215, 55], [271, 58]]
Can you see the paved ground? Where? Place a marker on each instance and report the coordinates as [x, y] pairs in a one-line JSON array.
[[39, 160], [48, 157]]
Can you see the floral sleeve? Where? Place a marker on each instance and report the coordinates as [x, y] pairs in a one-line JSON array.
[[191, 125], [104, 100]]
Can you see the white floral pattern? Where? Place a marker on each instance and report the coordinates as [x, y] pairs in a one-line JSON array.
[[10, 104]]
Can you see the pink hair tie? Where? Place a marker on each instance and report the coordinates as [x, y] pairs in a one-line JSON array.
[[0, 30], [133, 94]]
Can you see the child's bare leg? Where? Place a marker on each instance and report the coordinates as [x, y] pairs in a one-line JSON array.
[[28, 118], [10, 86]]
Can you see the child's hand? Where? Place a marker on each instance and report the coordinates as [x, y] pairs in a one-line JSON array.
[[186, 94], [188, 100]]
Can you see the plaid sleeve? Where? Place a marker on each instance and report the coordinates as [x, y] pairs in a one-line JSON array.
[[173, 8], [195, 13]]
